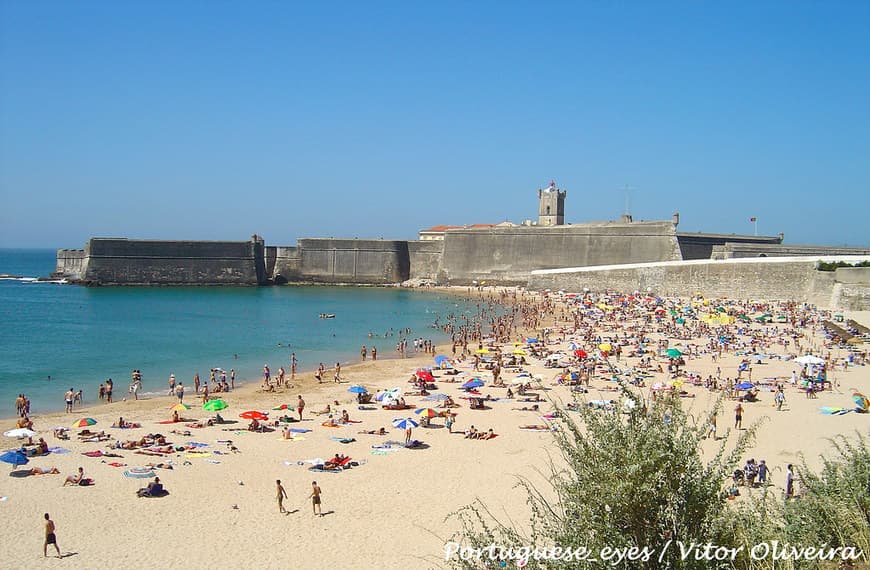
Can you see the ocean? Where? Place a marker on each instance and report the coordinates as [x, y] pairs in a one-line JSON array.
[[54, 337]]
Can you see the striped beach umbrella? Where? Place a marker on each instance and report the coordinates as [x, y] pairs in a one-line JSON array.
[[84, 422]]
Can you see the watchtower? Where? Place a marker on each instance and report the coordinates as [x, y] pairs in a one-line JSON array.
[[551, 206]]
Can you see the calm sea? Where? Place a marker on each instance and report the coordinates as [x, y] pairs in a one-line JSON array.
[[79, 336]]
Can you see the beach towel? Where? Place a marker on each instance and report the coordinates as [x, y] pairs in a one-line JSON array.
[[168, 422], [197, 454], [196, 444], [366, 408], [327, 424], [95, 453], [342, 439], [300, 430], [116, 464], [213, 461], [58, 450], [833, 411]]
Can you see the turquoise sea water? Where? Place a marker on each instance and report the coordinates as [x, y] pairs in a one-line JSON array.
[[81, 336]]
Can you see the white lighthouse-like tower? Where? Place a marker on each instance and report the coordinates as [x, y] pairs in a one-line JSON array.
[[551, 205]]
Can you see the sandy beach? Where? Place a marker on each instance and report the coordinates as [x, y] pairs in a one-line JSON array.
[[392, 509]]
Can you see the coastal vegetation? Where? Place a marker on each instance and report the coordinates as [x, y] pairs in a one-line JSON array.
[[834, 265], [631, 489]]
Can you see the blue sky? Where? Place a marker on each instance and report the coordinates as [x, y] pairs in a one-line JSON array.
[[215, 120]]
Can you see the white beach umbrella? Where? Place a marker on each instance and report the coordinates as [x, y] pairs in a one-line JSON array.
[[809, 359], [20, 432]]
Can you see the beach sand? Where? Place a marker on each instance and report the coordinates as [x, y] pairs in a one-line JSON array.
[[391, 511]]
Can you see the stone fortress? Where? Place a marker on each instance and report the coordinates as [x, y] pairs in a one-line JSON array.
[[547, 253]]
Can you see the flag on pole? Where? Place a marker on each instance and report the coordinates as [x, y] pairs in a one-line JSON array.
[[753, 219]]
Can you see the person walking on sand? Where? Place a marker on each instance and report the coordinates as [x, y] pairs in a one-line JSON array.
[[179, 391], [282, 494], [315, 499], [300, 406], [712, 429], [171, 384], [337, 377], [109, 387], [50, 537]]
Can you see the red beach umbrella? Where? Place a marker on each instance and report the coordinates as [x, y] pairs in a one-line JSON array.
[[254, 415], [580, 353]]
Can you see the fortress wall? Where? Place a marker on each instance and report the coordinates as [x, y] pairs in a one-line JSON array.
[[425, 258], [754, 278], [287, 264], [70, 263], [509, 255], [145, 262], [703, 246], [352, 261], [731, 250]]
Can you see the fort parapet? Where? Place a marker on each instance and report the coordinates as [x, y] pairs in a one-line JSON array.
[[119, 261]]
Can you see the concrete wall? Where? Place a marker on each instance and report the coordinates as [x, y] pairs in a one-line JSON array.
[[70, 263], [509, 255], [701, 245], [287, 265], [853, 275], [752, 278], [362, 261], [147, 262], [425, 258], [731, 250]]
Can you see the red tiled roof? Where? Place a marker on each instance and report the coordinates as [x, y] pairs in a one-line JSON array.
[[442, 228]]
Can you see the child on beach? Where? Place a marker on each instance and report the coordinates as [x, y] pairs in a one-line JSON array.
[[315, 498]]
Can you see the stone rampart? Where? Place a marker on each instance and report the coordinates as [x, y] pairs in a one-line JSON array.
[[116, 261], [752, 278], [733, 250], [509, 255], [70, 263], [425, 258], [363, 261]]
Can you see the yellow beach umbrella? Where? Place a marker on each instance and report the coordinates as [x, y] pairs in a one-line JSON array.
[[605, 346], [482, 351], [520, 352]]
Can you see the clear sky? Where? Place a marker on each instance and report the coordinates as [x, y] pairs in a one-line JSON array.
[[215, 120]]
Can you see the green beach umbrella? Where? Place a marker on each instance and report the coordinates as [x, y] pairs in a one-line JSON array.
[[214, 405], [681, 321], [674, 353]]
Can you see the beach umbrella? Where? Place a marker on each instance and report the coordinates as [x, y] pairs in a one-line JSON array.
[[424, 375], [442, 361], [427, 412], [84, 422], [809, 359], [14, 458], [659, 386], [20, 432], [404, 423], [605, 347], [532, 340], [179, 408], [482, 351], [215, 405], [745, 386], [139, 472], [520, 352], [674, 353], [861, 401], [580, 353], [254, 415], [473, 383], [357, 389], [681, 321], [556, 356]]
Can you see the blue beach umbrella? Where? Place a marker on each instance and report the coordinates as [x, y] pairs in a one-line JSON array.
[[745, 386], [531, 340], [14, 458], [357, 389], [474, 383], [442, 361], [404, 423]]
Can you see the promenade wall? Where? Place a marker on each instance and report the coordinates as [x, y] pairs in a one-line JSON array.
[[794, 278]]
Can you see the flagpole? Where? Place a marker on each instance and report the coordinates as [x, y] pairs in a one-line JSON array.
[[756, 226]]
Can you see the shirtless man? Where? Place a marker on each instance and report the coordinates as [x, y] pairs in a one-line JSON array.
[[68, 397], [315, 498], [282, 494], [300, 406], [50, 537]]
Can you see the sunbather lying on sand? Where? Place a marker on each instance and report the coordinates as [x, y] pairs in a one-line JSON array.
[[325, 411], [536, 427], [527, 408], [380, 431], [41, 471]]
